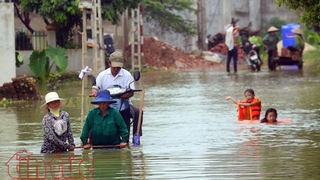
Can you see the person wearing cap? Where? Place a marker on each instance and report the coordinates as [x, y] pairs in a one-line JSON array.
[[116, 75], [232, 32], [56, 125], [299, 41], [270, 40], [104, 125]]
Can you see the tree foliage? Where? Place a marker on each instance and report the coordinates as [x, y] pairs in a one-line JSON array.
[[310, 9], [65, 14], [165, 13], [112, 9]]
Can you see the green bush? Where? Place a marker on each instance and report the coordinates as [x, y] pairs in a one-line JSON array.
[[311, 59], [311, 37], [39, 62], [257, 40], [19, 59], [276, 22]]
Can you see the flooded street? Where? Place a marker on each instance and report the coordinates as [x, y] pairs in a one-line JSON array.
[[189, 132]]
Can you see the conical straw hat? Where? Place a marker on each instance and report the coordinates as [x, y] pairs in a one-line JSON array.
[[297, 31], [272, 29]]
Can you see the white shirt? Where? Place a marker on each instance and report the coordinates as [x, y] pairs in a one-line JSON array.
[[106, 79], [229, 37]]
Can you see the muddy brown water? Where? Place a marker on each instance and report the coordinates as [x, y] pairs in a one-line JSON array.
[[189, 131]]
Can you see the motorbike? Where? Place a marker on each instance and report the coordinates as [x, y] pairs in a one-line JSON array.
[[117, 91], [123, 105], [251, 55], [255, 62]]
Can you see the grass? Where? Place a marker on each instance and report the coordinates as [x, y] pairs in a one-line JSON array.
[[312, 60]]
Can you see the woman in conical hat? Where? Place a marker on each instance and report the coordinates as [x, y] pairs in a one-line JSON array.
[[270, 41], [273, 29], [299, 40], [57, 133], [297, 31]]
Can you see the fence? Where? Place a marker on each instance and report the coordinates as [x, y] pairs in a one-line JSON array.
[[27, 41], [38, 40]]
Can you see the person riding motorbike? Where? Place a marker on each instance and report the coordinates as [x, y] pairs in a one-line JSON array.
[[247, 47], [116, 75]]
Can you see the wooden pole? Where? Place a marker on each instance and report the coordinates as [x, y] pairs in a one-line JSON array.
[[140, 112], [100, 146], [83, 79], [125, 30], [201, 24], [84, 59]]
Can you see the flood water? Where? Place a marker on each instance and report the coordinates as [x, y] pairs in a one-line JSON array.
[[189, 132]]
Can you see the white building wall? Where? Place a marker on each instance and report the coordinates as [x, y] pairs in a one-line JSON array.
[[7, 43], [74, 62]]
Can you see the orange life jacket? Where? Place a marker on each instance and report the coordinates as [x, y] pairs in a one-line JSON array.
[[249, 112]]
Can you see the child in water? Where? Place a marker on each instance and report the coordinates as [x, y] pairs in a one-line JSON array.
[[248, 108], [270, 116]]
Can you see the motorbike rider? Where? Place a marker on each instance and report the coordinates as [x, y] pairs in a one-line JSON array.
[[116, 75], [247, 46]]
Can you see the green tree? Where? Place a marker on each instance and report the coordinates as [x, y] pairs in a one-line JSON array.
[[310, 10], [65, 14], [164, 12]]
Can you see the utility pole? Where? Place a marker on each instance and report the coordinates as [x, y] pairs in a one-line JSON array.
[[125, 30], [227, 13], [202, 24], [92, 9], [255, 14], [137, 36]]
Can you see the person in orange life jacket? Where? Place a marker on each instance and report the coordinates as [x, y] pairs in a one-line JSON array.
[[56, 126], [249, 108], [270, 116]]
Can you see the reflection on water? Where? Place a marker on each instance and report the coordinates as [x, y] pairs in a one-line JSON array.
[[190, 131]]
